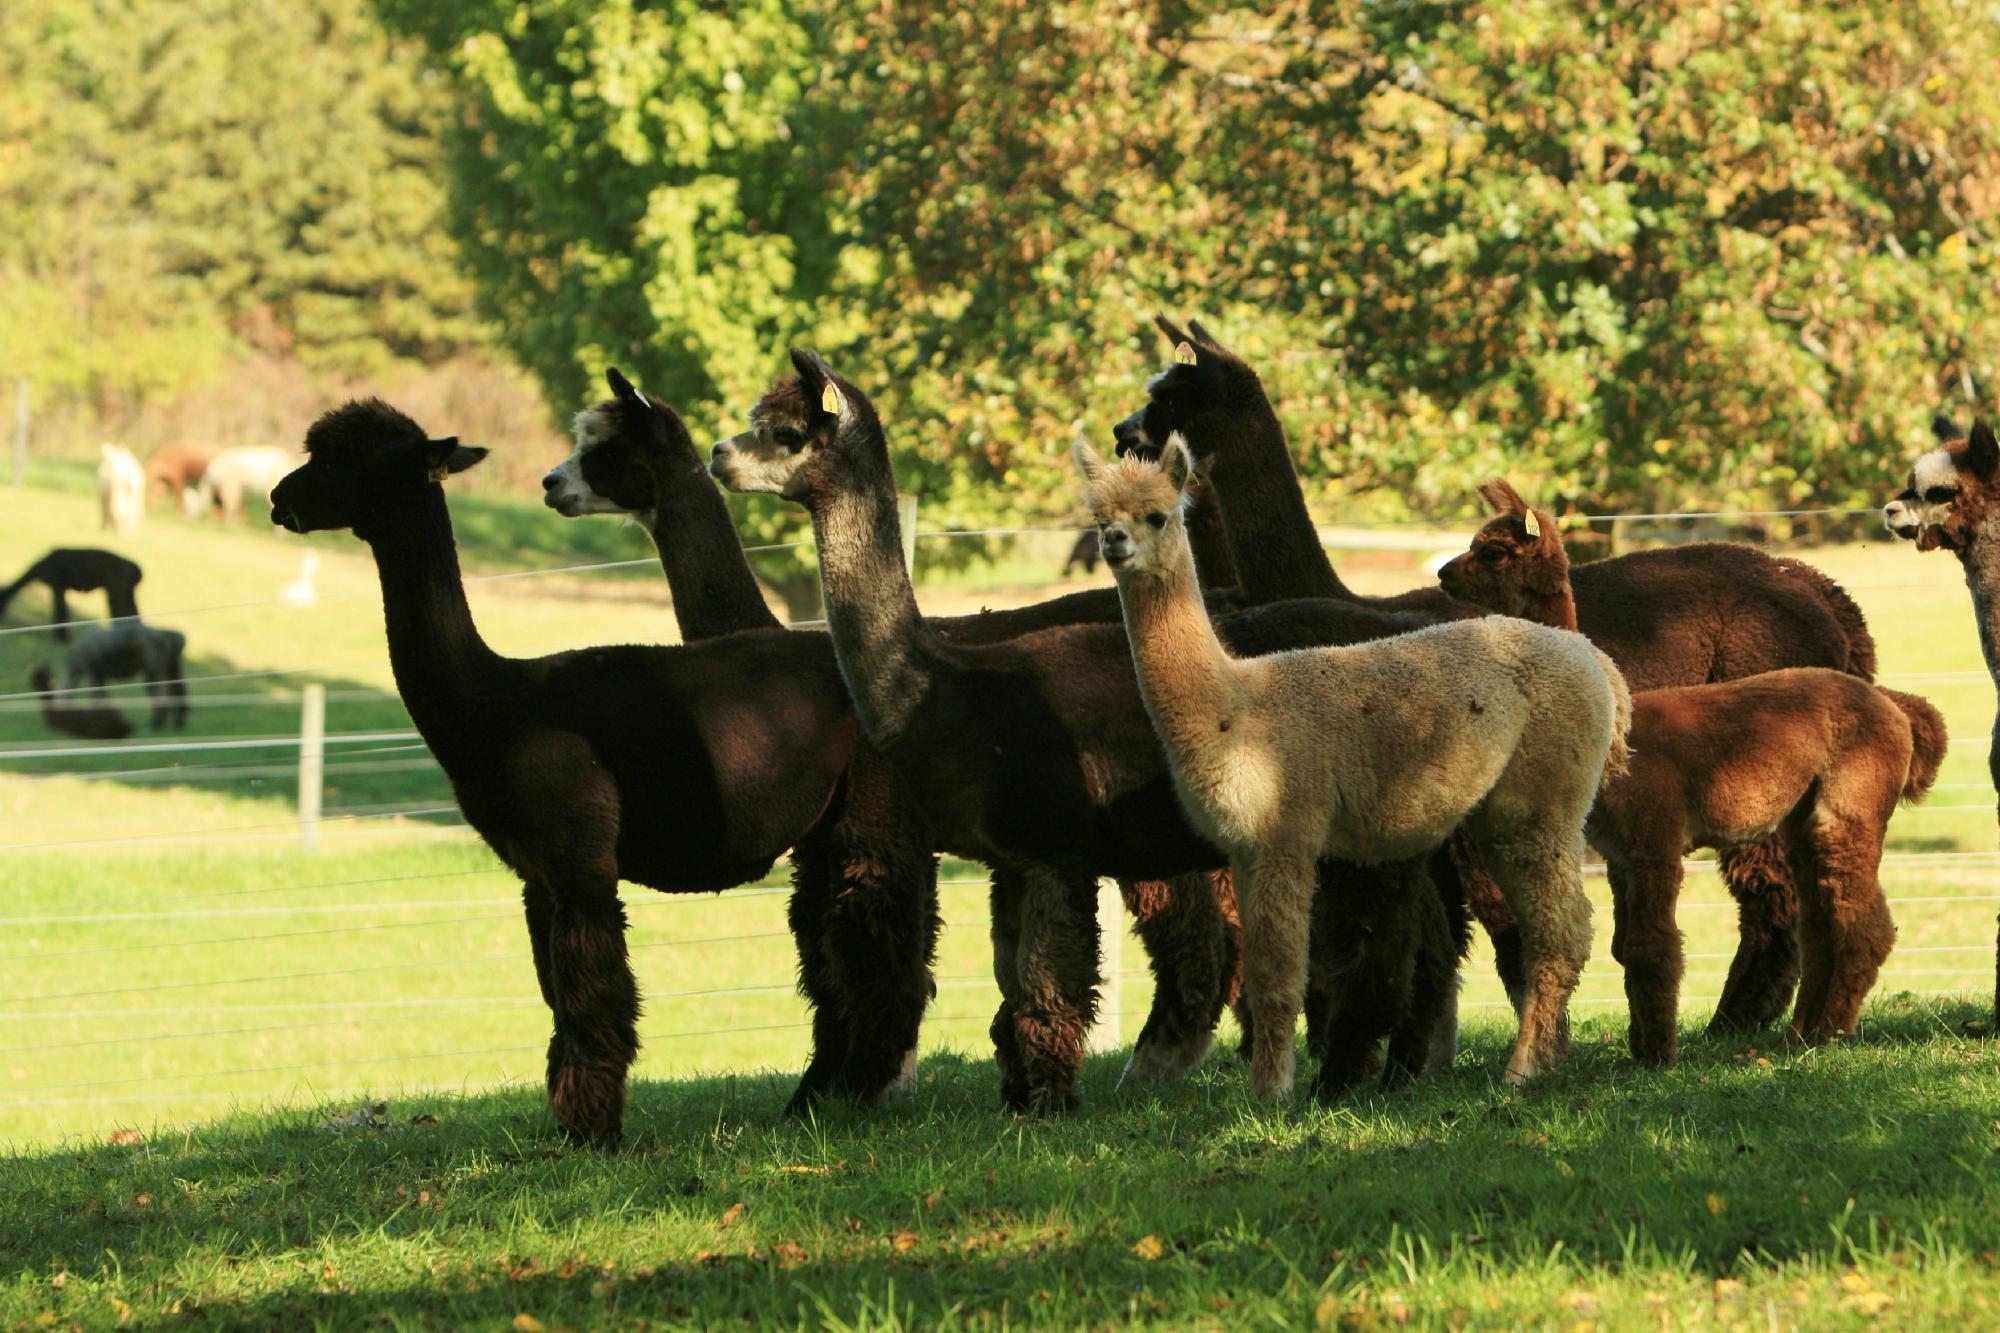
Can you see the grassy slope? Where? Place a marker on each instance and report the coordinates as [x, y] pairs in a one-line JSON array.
[[170, 1018]]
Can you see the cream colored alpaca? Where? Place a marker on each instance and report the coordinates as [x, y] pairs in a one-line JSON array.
[[1366, 753]]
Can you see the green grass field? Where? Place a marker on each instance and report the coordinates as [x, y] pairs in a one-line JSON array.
[[175, 965]]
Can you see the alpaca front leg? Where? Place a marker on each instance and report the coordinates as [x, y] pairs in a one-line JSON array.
[[1859, 932], [1275, 895], [596, 1003], [1766, 966], [1009, 888], [1541, 872], [1181, 924], [1058, 984], [1649, 945]]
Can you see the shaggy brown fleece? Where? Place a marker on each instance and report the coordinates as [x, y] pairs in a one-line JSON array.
[[92, 722]]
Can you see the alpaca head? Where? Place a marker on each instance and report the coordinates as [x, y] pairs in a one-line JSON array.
[[811, 433], [1137, 506], [1195, 396], [1515, 560], [608, 472], [1950, 489], [363, 460]]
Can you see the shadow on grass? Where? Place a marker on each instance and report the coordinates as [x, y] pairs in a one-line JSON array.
[[719, 1208]]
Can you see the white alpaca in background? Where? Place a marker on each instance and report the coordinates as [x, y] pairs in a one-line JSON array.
[[243, 470], [300, 591], [121, 490]]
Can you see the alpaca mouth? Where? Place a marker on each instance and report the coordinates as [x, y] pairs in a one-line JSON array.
[[287, 520]]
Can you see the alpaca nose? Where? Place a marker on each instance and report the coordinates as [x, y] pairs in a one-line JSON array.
[[551, 479], [1130, 434]]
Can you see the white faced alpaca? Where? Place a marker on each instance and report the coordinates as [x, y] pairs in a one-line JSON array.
[[1950, 489], [121, 490]]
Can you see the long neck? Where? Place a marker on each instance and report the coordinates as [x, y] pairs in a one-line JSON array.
[[1208, 538], [1557, 608], [1185, 676], [444, 670], [871, 609], [714, 591], [1271, 536], [1982, 577]]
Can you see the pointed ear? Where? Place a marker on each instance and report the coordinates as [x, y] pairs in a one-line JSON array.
[[1177, 462], [1088, 461], [1514, 504], [1203, 336], [1982, 451], [450, 455], [1169, 330], [1945, 429], [1496, 498], [816, 378], [621, 388]]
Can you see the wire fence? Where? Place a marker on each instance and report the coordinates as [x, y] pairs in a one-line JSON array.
[[181, 983]]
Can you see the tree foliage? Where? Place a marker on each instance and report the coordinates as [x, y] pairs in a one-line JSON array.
[[1633, 255]]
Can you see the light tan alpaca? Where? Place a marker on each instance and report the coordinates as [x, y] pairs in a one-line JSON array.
[[1365, 753]]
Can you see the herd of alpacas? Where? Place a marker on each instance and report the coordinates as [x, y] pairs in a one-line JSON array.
[[1306, 796]]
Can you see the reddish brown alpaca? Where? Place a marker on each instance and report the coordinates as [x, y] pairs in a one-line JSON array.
[[173, 469], [1684, 616], [1819, 755]]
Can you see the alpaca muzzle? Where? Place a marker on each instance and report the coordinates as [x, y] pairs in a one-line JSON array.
[[1130, 435]]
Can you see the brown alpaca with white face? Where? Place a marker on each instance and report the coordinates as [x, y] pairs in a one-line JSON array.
[[1367, 752], [1952, 503], [1682, 616], [1819, 755]]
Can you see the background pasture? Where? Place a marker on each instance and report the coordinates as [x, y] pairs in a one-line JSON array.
[[171, 957]]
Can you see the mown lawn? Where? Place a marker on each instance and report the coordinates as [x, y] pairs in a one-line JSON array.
[[170, 955]]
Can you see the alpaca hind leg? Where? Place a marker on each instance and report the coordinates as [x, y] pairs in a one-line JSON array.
[[1814, 927], [1365, 940], [1650, 948], [881, 937], [1766, 966], [1181, 924], [812, 886], [1275, 894], [1488, 905], [1425, 1039], [596, 1003], [1540, 869], [1848, 854], [1009, 888], [1057, 962]]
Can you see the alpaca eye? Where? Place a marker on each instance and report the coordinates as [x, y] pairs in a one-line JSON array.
[[1156, 520], [789, 436], [1492, 555], [1938, 495]]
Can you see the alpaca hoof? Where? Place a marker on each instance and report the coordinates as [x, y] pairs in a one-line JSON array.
[[1161, 1062], [1048, 1103], [902, 1086], [1272, 1087], [601, 1138]]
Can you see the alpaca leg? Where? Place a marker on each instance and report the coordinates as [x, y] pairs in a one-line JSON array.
[[1009, 888], [1425, 1040], [1275, 895], [1540, 869], [1650, 949], [596, 1003], [1489, 907], [1365, 937], [812, 886], [60, 614], [1057, 962], [1847, 855], [1766, 966], [1181, 924]]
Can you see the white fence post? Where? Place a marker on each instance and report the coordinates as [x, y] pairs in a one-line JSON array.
[[312, 756], [1108, 1034], [906, 511], [21, 418]]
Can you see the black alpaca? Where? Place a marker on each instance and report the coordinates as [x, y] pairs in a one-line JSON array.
[[687, 769], [1037, 755], [1689, 615], [68, 569]]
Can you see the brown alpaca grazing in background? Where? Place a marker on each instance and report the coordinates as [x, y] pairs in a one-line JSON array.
[[633, 456], [1369, 752], [1952, 503], [74, 717], [1819, 755], [1688, 615], [1035, 756], [174, 470]]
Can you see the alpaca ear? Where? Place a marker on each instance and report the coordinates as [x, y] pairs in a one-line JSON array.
[[1203, 337], [1945, 429], [1495, 497], [1088, 461], [452, 456], [1169, 330], [1177, 462], [1982, 451], [1513, 503], [816, 377], [621, 388]]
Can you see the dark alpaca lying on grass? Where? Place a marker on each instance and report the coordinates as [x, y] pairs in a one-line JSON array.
[[131, 649], [686, 769], [1036, 755], [69, 569], [1683, 616], [1952, 503], [633, 456], [1821, 756], [73, 717]]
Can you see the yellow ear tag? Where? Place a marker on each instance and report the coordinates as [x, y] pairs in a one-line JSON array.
[[1531, 523], [439, 473], [829, 400], [1183, 354]]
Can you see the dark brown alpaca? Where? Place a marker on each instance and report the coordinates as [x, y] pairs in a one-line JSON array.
[[173, 470], [686, 769], [68, 569], [73, 717], [1952, 503], [1685, 616], [633, 456], [1819, 755], [1036, 754]]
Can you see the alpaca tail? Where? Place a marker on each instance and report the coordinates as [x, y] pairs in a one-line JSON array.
[[1853, 625], [1620, 755], [1928, 735]]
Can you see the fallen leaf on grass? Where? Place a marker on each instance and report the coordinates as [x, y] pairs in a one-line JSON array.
[[789, 1255], [121, 1309], [806, 1170], [124, 1138], [527, 1323], [904, 1241], [1729, 1289], [1327, 1313], [1717, 1205], [1149, 1247], [732, 1213]]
